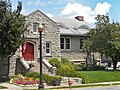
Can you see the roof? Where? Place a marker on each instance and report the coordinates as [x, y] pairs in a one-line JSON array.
[[72, 26]]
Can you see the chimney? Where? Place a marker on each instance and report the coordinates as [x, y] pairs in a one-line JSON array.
[[79, 18]]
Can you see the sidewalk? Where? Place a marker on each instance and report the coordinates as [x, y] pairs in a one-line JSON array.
[[10, 86], [14, 87]]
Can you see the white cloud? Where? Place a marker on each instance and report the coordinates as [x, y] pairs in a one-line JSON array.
[[102, 8], [75, 9], [49, 15]]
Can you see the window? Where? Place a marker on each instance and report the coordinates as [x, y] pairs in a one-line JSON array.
[[65, 43], [81, 43], [62, 41], [48, 48], [35, 27]]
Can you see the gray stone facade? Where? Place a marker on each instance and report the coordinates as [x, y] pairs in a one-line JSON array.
[[3, 66], [50, 34], [76, 57]]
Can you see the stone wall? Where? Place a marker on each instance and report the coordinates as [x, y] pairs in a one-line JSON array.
[[50, 34], [3, 66], [73, 55], [12, 66]]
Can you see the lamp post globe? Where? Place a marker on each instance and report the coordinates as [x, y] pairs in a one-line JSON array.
[[40, 29]]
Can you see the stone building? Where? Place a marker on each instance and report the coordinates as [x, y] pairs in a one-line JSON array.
[[61, 38]]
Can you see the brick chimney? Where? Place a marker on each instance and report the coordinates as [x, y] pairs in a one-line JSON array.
[[79, 18]]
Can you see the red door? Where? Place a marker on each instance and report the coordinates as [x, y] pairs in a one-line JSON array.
[[28, 52]]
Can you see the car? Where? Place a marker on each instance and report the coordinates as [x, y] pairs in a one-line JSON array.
[[109, 66]]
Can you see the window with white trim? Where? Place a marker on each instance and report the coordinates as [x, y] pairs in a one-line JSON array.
[[48, 48], [65, 43], [81, 43], [35, 27]]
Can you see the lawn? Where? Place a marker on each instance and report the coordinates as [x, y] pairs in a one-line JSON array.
[[101, 76], [2, 87]]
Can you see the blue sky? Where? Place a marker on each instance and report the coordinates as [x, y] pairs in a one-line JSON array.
[[71, 8]]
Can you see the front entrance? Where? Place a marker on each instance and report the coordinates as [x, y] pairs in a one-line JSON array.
[[28, 51]]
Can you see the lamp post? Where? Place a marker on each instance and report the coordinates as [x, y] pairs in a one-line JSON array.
[[40, 29]]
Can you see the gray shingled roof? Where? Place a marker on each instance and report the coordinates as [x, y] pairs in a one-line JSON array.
[[72, 26]]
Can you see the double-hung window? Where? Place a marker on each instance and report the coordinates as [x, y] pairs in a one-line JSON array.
[[65, 43], [48, 48], [35, 27]]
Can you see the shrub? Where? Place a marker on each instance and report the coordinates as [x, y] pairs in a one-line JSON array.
[[78, 67], [64, 68], [52, 80], [97, 67], [79, 75], [32, 74], [67, 62], [54, 62], [64, 60], [4, 78]]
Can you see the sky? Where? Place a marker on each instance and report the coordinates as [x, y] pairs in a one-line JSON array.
[[71, 8]]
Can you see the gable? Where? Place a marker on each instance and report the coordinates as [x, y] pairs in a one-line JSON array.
[[37, 16]]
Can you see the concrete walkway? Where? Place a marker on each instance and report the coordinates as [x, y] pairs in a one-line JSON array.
[[11, 86], [14, 87]]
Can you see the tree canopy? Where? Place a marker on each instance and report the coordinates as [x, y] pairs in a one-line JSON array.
[[12, 26], [105, 38]]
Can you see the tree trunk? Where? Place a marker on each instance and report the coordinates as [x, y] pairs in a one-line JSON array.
[[114, 64]]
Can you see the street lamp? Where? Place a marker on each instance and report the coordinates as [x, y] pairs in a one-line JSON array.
[[41, 29]]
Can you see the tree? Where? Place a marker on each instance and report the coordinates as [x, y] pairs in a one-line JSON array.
[[12, 26], [106, 39], [89, 49], [113, 50]]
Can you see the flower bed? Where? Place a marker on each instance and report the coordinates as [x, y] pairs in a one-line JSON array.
[[21, 80], [32, 79]]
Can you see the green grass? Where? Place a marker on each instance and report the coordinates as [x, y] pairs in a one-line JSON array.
[[2, 87], [101, 76]]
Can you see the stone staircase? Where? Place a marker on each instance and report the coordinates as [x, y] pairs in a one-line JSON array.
[[46, 67]]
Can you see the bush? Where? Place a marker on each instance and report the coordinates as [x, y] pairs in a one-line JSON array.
[[97, 67], [64, 68], [79, 75], [67, 62], [54, 62], [32, 74], [79, 67], [52, 80], [4, 78], [64, 60]]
